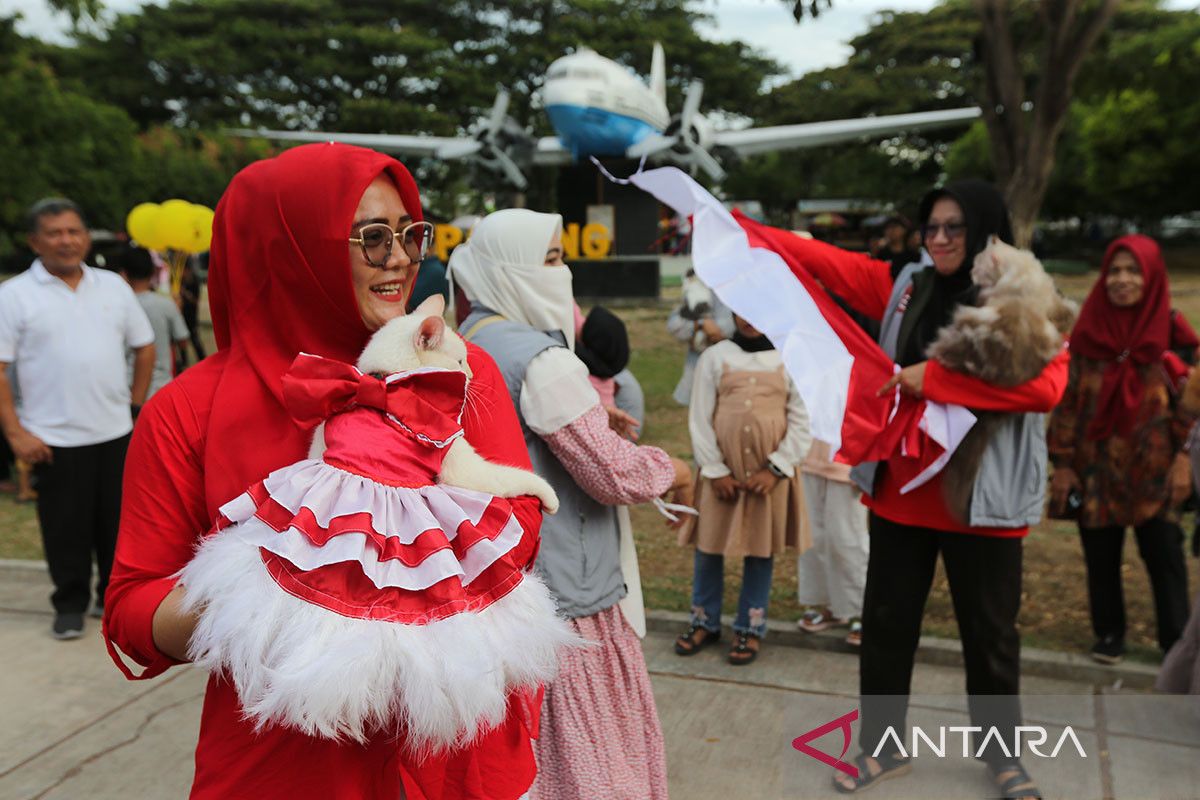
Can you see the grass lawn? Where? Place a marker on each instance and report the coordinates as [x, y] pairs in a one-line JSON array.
[[1054, 604]]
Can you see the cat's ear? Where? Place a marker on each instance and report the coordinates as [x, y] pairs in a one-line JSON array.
[[429, 335], [432, 306]]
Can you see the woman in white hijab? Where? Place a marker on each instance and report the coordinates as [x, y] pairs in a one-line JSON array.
[[600, 735]]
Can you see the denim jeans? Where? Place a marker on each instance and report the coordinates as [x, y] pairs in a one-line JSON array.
[[708, 585]]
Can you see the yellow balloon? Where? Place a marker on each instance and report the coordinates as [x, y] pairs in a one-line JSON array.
[[142, 224], [175, 225], [202, 223]]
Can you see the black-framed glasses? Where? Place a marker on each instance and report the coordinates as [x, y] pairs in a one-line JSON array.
[[953, 230], [376, 240]]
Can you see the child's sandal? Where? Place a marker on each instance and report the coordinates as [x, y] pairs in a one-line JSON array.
[[745, 649], [696, 639], [890, 766]]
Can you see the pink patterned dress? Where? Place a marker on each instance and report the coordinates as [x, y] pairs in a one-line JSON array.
[[600, 734]]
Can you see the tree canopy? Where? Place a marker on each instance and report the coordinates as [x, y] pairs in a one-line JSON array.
[[1125, 147], [133, 109], [399, 66]]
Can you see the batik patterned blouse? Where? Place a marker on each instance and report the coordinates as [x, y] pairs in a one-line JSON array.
[[1124, 477]]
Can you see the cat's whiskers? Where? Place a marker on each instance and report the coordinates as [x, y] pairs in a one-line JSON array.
[[476, 402]]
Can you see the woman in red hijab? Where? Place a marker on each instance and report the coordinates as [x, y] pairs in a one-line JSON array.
[[1117, 439], [291, 272]]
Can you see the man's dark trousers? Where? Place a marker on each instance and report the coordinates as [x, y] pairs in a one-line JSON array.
[[79, 509]]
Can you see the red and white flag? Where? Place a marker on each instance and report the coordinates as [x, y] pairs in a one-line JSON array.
[[836, 366]]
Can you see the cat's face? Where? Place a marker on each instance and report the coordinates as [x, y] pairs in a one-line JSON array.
[[419, 339], [999, 260]]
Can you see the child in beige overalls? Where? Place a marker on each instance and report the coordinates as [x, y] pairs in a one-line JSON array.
[[749, 435]]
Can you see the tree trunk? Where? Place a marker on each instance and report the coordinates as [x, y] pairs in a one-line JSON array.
[[1024, 141]]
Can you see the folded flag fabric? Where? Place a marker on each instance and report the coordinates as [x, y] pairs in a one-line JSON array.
[[837, 367]]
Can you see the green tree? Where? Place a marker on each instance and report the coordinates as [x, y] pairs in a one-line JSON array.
[[916, 61], [905, 62], [1137, 136], [287, 63], [56, 138], [1027, 56], [397, 66], [57, 141]]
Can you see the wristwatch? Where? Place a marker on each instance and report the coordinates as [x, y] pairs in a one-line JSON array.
[[776, 471]]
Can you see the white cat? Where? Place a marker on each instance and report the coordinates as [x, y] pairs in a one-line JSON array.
[[421, 339], [347, 599]]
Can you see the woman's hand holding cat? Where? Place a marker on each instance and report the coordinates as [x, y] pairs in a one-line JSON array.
[[911, 381], [172, 627]]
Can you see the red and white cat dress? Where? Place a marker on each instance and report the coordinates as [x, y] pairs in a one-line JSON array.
[[352, 594]]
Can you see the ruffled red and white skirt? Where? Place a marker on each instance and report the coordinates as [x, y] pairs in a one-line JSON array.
[[344, 607]]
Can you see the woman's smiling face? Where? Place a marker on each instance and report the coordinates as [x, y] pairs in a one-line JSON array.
[[947, 245], [1124, 282], [381, 292]]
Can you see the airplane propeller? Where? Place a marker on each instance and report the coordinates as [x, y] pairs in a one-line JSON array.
[[683, 140], [499, 144]]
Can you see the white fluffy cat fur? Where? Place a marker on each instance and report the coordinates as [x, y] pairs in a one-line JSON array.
[[1016, 329]]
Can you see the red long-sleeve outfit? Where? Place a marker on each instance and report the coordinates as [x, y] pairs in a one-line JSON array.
[[164, 515], [866, 284]]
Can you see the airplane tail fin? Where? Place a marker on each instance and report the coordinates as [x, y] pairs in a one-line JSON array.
[[658, 73]]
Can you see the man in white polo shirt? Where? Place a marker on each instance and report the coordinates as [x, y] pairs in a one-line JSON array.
[[67, 328]]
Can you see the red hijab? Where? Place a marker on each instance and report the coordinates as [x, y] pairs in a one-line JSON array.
[[1124, 337], [279, 284]]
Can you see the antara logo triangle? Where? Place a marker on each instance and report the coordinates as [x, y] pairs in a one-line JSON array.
[[843, 722]]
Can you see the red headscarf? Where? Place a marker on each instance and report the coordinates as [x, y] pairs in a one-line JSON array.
[[1123, 337], [280, 284]]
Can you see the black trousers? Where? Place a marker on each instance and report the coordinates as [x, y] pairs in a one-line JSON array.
[[191, 318], [1161, 546], [79, 509], [984, 573]]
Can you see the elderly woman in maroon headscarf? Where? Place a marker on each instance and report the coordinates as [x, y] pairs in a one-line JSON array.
[[299, 264], [1117, 440]]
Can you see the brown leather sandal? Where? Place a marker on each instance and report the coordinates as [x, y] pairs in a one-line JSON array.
[[745, 649], [696, 639]]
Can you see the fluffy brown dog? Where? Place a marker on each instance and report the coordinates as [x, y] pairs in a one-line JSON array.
[[1008, 339]]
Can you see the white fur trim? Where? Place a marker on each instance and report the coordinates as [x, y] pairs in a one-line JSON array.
[[301, 666]]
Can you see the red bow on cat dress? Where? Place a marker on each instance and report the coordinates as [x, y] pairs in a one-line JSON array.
[[316, 388]]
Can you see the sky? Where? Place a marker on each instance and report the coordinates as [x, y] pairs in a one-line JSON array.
[[764, 24]]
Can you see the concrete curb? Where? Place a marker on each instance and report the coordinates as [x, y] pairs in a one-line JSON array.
[[933, 650], [946, 652], [21, 568]]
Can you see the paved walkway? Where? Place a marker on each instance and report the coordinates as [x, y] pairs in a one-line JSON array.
[[73, 728]]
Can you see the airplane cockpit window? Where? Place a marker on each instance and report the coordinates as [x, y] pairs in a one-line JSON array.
[[557, 72], [586, 74]]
